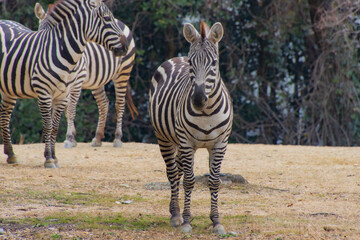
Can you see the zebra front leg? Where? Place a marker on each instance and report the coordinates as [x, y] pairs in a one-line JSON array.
[[168, 151], [103, 106], [58, 109], [45, 106], [6, 108], [216, 155], [70, 113], [186, 157]]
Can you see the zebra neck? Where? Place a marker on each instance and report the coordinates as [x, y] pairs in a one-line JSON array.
[[64, 10], [66, 27], [215, 96]]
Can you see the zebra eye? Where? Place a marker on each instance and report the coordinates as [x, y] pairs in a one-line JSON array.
[[214, 63], [107, 18]]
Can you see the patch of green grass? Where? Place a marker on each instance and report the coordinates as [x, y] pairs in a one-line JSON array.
[[79, 198], [201, 224], [137, 198], [86, 199], [256, 225], [40, 224], [55, 236], [3, 197], [98, 221], [161, 203], [239, 219], [68, 198]]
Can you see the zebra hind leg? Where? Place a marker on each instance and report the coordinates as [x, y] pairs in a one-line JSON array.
[[6, 108], [120, 107], [122, 90], [45, 106], [103, 106], [58, 109], [70, 113]]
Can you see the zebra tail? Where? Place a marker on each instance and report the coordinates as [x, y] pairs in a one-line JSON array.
[[130, 103]]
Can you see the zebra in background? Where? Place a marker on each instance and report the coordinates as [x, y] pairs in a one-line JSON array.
[[41, 64], [96, 68], [191, 108]]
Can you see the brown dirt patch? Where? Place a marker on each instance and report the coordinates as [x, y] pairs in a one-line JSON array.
[[294, 192]]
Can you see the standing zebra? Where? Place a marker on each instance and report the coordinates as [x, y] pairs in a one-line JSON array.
[[96, 68], [42, 64], [190, 108]]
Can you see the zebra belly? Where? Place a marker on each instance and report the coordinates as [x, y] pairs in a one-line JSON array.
[[16, 85]]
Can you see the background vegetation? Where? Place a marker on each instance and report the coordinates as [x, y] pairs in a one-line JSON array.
[[292, 68]]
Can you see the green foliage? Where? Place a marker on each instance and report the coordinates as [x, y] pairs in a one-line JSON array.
[[86, 118], [26, 123]]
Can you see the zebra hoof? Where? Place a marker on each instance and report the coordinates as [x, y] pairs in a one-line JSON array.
[[95, 143], [186, 228], [69, 144], [12, 159], [176, 221], [117, 143], [50, 163], [57, 163], [219, 229]]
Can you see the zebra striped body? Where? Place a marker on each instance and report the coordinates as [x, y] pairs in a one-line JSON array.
[[43, 64], [190, 108], [97, 67]]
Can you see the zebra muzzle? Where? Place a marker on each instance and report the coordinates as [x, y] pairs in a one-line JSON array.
[[122, 48], [199, 98]]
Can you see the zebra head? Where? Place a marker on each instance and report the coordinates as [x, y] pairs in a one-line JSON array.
[[102, 27], [41, 15], [203, 60], [105, 30]]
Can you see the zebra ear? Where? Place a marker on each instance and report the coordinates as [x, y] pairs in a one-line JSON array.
[[216, 33], [39, 11], [190, 33]]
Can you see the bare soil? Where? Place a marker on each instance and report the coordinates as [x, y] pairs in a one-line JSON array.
[[293, 192]]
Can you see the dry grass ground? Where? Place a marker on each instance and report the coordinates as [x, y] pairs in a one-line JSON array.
[[294, 192]]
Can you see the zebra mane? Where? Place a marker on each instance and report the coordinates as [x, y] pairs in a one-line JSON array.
[[204, 30], [54, 15], [51, 7]]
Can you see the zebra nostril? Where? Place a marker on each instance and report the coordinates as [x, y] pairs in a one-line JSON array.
[[124, 43], [121, 48], [125, 48]]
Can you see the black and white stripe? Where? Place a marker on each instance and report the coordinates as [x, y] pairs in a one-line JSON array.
[[42, 64], [97, 67], [190, 108]]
